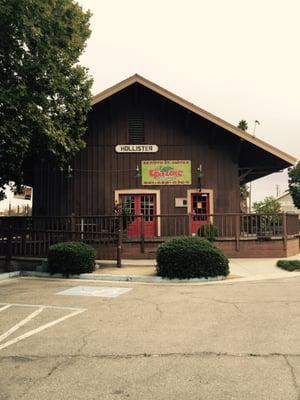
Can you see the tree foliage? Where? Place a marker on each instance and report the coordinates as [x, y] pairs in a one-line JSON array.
[[44, 92], [244, 196], [268, 206], [294, 184], [243, 125]]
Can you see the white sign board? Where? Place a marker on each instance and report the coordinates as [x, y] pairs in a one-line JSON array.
[[181, 202], [136, 148]]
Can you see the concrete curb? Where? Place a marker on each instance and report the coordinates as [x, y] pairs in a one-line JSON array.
[[8, 275], [120, 278], [145, 278], [149, 279]]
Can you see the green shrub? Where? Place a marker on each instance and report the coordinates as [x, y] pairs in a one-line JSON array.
[[71, 258], [208, 231], [190, 257], [289, 265]]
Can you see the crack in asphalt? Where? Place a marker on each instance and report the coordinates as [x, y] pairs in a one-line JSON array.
[[237, 307], [157, 308], [65, 359], [231, 303], [293, 375], [39, 379], [52, 370], [85, 341], [236, 304], [32, 358], [286, 301]]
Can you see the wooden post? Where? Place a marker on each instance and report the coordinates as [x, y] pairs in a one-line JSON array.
[[237, 232], [119, 246], [142, 234], [284, 231], [23, 236], [190, 224], [72, 228], [8, 248]]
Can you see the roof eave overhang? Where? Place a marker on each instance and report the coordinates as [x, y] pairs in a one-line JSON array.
[[290, 160]]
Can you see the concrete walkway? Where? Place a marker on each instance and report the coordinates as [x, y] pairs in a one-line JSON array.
[[250, 267], [240, 268]]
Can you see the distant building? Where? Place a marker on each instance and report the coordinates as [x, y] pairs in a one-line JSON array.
[[17, 203], [287, 204]]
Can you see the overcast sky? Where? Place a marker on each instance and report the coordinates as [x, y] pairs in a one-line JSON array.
[[236, 59]]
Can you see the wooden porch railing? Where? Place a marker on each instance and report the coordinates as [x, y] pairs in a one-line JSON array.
[[32, 236]]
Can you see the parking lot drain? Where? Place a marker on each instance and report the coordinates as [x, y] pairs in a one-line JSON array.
[[95, 291]]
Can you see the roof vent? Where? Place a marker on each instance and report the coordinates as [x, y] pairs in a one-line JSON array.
[[136, 128]]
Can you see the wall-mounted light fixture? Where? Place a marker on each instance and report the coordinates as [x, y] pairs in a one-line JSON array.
[[137, 172], [200, 176], [69, 171]]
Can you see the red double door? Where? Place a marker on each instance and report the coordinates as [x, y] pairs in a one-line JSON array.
[[140, 205], [145, 205], [200, 210]]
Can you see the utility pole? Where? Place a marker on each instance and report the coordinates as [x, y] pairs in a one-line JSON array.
[[250, 189], [254, 129], [256, 122]]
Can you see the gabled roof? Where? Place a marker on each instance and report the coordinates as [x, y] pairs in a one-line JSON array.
[[195, 109]]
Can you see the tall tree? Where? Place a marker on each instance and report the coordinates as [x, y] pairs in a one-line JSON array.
[[268, 206], [294, 184], [44, 92]]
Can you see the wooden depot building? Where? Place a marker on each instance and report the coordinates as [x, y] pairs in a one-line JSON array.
[[165, 159]]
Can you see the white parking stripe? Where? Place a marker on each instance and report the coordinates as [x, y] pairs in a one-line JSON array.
[[42, 305], [5, 307], [21, 323], [41, 328]]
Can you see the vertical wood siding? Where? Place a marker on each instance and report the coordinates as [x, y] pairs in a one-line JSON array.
[[98, 170]]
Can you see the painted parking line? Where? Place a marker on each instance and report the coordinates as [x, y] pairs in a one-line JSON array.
[[42, 305], [21, 323], [5, 307], [31, 316]]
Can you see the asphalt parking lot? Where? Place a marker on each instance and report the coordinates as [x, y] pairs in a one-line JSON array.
[[154, 341]]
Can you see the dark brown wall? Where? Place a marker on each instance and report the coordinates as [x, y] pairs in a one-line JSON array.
[[248, 248], [99, 170]]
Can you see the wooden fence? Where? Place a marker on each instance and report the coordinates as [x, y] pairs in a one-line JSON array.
[[32, 236]]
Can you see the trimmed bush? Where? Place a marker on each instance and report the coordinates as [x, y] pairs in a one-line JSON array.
[[289, 265], [71, 258], [190, 257], [208, 231]]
